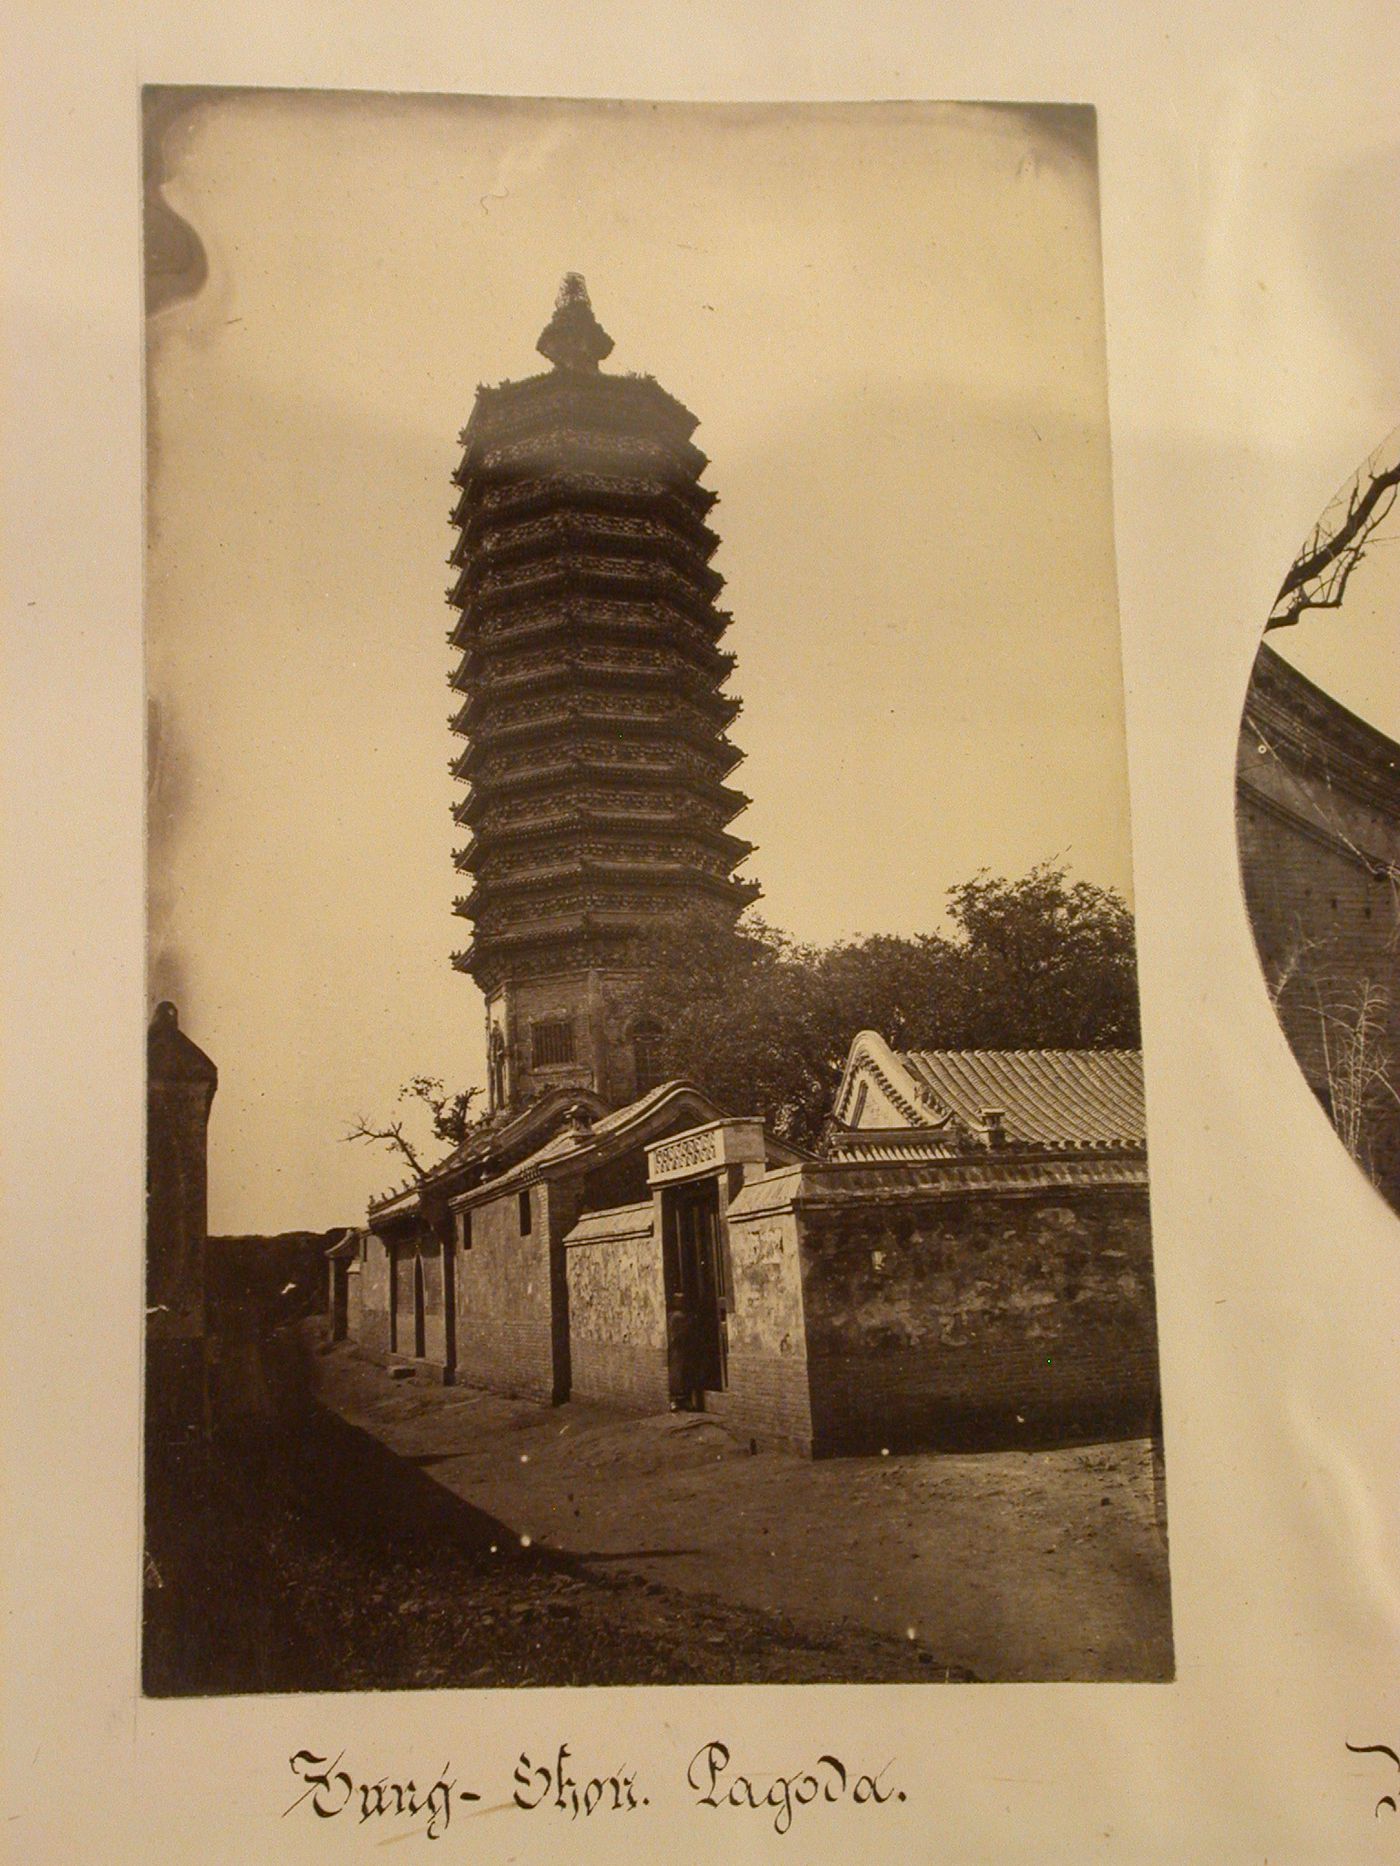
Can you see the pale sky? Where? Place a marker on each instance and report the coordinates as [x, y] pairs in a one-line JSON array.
[[888, 320]]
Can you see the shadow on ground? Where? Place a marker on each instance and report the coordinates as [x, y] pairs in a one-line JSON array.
[[1034, 1563], [293, 1551]]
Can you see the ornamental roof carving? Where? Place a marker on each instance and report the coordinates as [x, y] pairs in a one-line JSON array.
[[573, 339]]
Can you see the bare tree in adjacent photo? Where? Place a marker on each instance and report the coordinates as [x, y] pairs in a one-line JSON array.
[[1339, 540]]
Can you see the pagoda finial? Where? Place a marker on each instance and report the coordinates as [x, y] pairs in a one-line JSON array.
[[573, 338]]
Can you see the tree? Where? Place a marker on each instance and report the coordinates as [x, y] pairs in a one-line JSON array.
[[1337, 544], [745, 1014], [450, 1118], [1044, 963], [764, 1025], [1336, 1019]]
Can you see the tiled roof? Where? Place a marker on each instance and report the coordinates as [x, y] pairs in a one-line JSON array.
[[1077, 1098], [634, 1125], [573, 1143]]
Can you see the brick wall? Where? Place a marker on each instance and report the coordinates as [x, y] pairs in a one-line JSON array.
[[505, 1332], [982, 1318], [373, 1331], [354, 1302], [617, 1330], [946, 1304], [616, 1306], [1318, 819], [767, 1392], [435, 1321]]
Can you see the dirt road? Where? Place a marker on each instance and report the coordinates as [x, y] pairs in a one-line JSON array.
[[1015, 1565]]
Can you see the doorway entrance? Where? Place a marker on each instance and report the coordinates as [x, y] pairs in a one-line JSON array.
[[420, 1310], [695, 1292]]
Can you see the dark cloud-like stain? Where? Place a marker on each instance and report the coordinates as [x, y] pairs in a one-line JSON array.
[[176, 269], [176, 265], [166, 796], [1067, 133], [1075, 128]]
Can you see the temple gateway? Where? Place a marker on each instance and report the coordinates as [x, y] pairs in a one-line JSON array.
[[968, 1260]]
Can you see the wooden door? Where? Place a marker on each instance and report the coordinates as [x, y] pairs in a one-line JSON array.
[[700, 1278]]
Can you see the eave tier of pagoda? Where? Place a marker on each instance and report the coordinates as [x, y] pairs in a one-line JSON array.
[[581, 689], [574, 555], [584, 529], [584, 618], [627, 406], [502, 502], [583, 929], [678, 862], [620, 656], [596, 888], [577, 451], [549, 723], [565, 819], [581, 634], [558, 579], [583, 943], [534, 787]]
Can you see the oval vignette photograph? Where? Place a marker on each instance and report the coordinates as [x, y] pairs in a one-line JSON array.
[[1318, 813]]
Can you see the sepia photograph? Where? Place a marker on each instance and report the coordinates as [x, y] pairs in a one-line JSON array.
[[647, 1171], [1318, 813]]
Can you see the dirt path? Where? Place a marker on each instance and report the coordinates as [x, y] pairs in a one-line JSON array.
[[300, 1553], [1015, 1565]]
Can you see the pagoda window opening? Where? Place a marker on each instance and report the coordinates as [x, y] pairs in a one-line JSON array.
[[551, 1041], [525, 1214]]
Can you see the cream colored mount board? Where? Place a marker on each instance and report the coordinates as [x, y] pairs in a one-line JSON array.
[[1196, 322]]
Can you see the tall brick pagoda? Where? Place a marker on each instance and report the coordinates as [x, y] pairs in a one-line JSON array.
[[592, 708]]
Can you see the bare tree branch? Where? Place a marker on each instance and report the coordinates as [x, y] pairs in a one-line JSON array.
[[1318, 578], [390, 1135]]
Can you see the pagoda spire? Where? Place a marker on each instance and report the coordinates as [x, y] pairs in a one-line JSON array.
[[573, 338]]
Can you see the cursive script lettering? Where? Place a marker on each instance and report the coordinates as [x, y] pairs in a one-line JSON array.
[[332, 1791], [553, 1785], [828, 1779], [1378, 1749]]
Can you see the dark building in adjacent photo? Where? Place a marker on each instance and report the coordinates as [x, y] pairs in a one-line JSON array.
[[1318, 816]]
